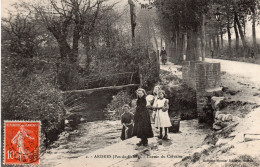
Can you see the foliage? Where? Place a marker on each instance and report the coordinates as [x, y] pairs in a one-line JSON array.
[[182, 99], [26, 95], [35, 74], [118, 101], [110, 61], [182, 15], [21, 35]]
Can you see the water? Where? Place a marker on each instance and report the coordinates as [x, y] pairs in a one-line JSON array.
[[91, 136], [86, 138]]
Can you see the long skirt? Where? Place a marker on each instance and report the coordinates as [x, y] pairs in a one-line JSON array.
[[143, 128]]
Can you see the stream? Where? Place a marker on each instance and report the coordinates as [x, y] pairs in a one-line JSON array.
[[90, 136]]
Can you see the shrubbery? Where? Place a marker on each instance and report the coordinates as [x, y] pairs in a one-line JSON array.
[[28, 95], [118, 101], [109, 61], [182, 99]]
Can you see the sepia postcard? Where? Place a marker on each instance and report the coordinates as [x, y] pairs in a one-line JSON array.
[[133, 83]]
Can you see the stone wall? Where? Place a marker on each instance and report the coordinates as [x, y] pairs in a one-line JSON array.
[[188, 73], [205, 79]]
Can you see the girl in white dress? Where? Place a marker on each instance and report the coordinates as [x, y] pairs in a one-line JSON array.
[[151, 99], [162, 119]]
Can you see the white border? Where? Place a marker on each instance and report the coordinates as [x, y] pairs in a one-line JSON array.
[[39, 138]]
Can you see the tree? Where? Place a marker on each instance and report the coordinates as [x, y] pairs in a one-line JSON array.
[[180, 18], [61, 17], [22, 34]]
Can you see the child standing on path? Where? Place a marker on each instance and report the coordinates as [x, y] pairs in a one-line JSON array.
[[162, 119], [142, 122], [127, 121]]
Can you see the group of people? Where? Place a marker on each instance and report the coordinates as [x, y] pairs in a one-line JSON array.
[[139, 123]]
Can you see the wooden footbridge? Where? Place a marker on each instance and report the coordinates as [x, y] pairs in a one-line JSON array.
[[126, 79]]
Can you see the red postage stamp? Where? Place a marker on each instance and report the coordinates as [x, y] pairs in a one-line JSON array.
[[22, 140]]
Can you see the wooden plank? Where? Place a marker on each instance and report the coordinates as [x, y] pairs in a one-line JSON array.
[[100, 88]]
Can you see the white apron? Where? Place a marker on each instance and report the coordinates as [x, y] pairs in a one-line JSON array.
[[162, 118]]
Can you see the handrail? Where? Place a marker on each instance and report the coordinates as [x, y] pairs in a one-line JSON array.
[[100, 88], [93, 79], [111, 75]]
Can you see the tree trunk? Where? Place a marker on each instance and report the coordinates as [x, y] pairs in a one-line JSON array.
[[221, 38], [176, 44], [155, 39], [254, 32], [210, 44], [237, 37], [161, 43], [203, 37], [185, 43], [218, 45], [229, 37], [195, 46], [189, 46], [156, 43], [207, 47], [180, 48], [88, 56], [240, 31], [75, 46], [214, 44], [65, 50]]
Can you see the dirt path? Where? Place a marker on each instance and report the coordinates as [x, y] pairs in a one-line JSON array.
[[244, 78], [166, 153], [249, 71], [241, 147]]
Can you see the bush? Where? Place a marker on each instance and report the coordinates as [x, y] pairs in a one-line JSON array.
[[108, 61], [182, 101], [118, 101], [27, 95]]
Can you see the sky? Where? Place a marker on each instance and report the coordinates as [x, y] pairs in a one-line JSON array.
[[5, 4]]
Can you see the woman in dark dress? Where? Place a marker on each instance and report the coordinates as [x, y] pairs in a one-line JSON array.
[[127, 121], [142, 122]]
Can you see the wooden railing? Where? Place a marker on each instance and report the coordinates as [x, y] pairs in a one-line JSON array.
[[110, 81]]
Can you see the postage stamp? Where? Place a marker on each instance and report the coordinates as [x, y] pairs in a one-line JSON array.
[[21, 142]]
